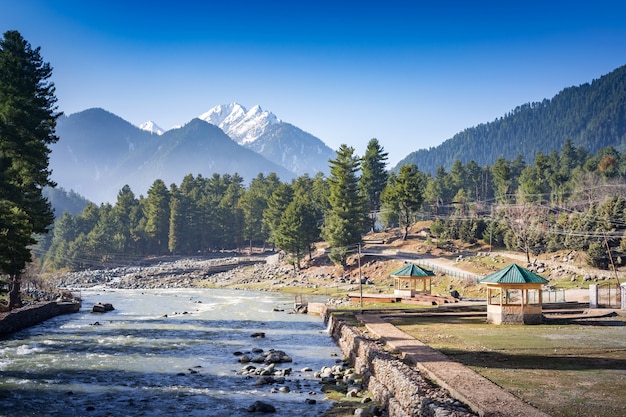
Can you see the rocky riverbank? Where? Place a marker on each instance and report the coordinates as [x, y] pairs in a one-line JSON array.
[[265, 273]]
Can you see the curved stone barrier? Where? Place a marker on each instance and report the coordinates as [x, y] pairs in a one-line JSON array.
[[24, 317], [401, 389]]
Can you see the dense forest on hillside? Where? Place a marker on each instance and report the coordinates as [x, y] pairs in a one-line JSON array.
[[564, 200], [591, 115]]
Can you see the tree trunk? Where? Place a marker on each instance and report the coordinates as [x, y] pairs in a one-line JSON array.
[[14, 300]]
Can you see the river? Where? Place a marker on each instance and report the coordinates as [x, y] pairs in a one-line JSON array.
[[163, 353]]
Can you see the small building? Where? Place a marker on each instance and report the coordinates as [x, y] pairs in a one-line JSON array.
[[509, 294], [412, 280]]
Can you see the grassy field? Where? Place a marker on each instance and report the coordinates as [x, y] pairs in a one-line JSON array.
[[563, 369]]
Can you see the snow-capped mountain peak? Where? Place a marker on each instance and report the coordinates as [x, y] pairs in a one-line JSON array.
[[151, 127], [280, 142], [242, 125]]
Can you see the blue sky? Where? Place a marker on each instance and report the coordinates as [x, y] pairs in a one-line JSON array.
[[409, 73]]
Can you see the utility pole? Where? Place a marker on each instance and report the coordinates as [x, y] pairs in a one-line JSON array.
[[608, 251], [360, 279]]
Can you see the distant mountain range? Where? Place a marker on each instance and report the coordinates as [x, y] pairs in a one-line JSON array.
[[592, 115], [98, 152]]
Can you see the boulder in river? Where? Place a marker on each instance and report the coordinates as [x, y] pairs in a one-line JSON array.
[[261, 407], [102, 308]]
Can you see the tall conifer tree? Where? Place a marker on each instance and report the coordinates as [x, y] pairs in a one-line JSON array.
[[347, 216], [373, 178], [28, 115], [158, 216], [404, 194]]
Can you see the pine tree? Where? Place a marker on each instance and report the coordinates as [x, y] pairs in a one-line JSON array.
[[125, 210], [501, 174], [373, 178], [230, 214], [176, 238], [298, 229], [347, 216], [158, 216], [253, 203], [276, 206], [404, 194], [28, 117]]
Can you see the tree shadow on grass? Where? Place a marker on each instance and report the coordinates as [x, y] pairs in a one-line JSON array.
[[501, 360]]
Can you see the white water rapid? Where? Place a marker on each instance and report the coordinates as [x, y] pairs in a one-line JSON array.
[[163, 353]]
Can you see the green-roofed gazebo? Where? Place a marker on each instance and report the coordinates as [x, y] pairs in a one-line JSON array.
[[508, 296], [409, 279]]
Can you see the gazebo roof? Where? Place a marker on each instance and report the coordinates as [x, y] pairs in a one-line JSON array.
[[412, 270], [513, 274]]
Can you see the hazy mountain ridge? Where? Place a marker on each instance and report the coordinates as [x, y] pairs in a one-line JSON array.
[[207, 148], [98, 153], [591, 115], [296, 150]]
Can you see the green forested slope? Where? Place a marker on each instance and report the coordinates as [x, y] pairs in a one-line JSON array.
[[591, 115]]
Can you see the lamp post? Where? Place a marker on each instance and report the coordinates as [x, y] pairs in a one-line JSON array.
[[360, 279]]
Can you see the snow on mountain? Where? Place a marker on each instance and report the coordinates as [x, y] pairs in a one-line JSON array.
[[151, 127], [278, 141], [242, 125]]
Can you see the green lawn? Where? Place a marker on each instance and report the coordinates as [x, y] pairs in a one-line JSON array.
[[565, 369]]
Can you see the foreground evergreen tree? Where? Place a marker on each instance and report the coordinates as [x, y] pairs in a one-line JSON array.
[[157, 213], [253, 203], [276, 206], [177, 242], [347, 216], [404, 195], [373, 178], [298, 229], [28, 117]]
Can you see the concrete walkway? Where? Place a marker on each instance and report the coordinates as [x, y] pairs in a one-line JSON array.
[[483, 396]]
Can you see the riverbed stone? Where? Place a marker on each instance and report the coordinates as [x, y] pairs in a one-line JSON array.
[[264, 380], [261, 407]]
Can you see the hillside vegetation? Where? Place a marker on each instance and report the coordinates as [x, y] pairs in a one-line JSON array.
[[592, 116]]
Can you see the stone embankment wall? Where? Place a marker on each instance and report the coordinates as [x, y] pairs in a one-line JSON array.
[[401, 389], [24, 317]]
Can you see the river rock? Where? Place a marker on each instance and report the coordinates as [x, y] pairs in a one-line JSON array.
[[353, 393], [276, 356], [261, 407], [102, 308], [264, 380], [362, 412]]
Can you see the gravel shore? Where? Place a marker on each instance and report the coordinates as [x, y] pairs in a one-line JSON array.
[[264, 273]]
